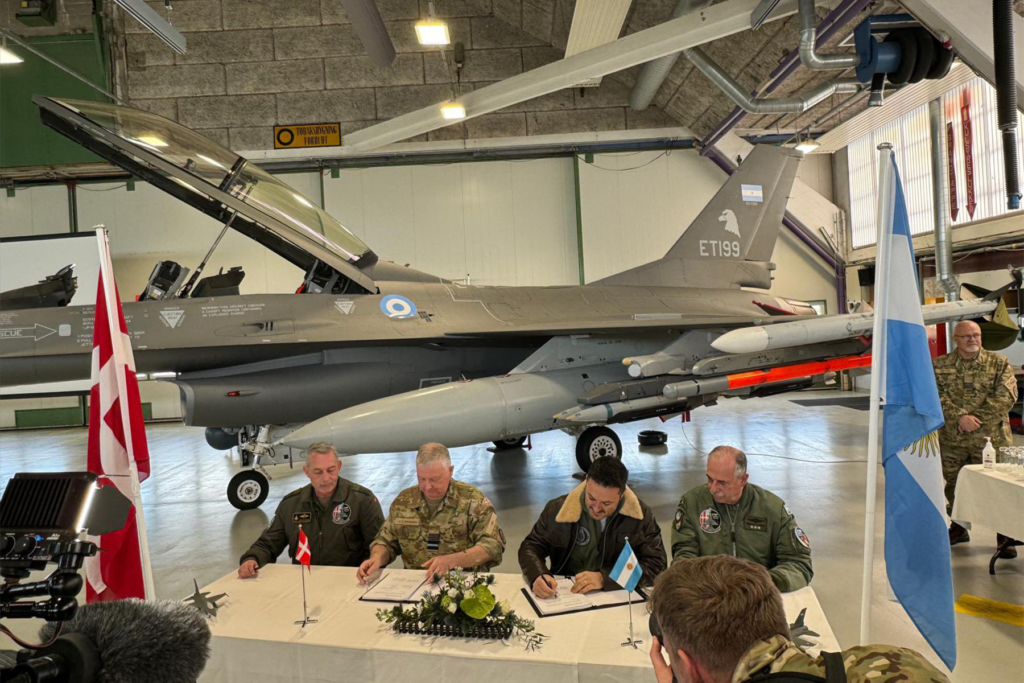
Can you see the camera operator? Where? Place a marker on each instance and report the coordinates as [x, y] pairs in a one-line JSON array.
[[721, 620]]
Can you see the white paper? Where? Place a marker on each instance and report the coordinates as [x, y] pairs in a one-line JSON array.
[[567, 601], [398, 586]]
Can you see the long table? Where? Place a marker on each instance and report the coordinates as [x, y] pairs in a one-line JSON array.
[[991, 498], [255, 639]]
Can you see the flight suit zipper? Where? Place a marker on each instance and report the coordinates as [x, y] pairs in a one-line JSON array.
[[732, 524]]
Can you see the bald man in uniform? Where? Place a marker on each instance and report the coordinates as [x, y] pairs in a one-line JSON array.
[[977, 389]]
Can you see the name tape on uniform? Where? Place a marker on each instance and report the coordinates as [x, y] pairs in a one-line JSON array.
[[307, 135]]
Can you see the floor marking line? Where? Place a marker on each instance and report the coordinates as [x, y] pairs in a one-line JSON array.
[[1005, 612]]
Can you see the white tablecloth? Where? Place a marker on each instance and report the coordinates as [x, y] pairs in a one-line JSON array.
[[991, 498], [255, 638]]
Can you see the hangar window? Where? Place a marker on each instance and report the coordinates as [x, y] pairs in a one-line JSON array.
[[910, 137]]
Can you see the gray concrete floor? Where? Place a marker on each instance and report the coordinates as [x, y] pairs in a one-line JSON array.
[[813, 457]]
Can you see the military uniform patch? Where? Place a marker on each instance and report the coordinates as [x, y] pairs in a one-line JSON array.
[[302, 517], [342, 514], [710, 521], [679, 520], [433, 541], [802, 537], [582, 535]]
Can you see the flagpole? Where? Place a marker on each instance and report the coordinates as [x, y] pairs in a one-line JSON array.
[[110, 293], [884, 222]]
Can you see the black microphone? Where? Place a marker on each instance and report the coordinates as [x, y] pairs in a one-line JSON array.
[[140, 642]]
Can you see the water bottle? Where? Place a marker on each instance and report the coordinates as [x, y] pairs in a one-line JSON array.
[[988, 455]]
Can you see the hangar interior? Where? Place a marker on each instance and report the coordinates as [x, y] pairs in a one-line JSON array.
[[548, 187]]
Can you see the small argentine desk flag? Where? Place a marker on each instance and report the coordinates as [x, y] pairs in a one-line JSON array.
[[627, 571]]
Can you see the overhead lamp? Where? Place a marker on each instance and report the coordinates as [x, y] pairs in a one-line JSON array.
[[8, 57], [453, 111], [432, 32], [807, 146]]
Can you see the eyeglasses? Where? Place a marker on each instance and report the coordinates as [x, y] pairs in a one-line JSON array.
[[967, 336]]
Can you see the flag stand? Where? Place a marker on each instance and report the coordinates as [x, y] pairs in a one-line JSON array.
[[630, 642], [305, 614]]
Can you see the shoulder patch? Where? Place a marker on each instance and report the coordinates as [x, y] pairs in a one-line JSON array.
[[802, 538], [678, 523]]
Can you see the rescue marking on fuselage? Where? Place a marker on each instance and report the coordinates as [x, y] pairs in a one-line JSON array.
[[172, 317], [344, 306], [26, 332]]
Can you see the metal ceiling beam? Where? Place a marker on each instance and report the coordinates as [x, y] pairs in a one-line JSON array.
[[690, 30]]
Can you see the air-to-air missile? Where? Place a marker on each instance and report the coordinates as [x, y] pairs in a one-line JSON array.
[[817, 330]]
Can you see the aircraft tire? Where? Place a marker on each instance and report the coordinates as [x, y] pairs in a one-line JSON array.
[[509, 444], [248, 489], [221, 440], [594, 443]]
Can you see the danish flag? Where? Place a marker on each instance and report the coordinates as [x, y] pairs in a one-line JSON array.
[[302, 555], [117, 450]]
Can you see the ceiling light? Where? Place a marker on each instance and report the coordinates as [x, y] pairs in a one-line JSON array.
[[432, 32], [453, 110], [807, 146], [8, 57]]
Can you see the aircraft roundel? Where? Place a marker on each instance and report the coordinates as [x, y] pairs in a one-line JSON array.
[[395, 306]]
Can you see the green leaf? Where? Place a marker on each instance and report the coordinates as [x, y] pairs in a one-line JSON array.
[[480, 605]]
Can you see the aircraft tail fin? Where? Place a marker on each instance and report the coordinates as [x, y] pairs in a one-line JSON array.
[[730, 244], [741, 222]]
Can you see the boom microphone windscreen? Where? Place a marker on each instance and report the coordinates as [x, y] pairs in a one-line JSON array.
[[143, 642]]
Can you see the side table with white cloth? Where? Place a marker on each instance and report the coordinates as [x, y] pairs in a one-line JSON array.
[[256, 640], [992, 498]]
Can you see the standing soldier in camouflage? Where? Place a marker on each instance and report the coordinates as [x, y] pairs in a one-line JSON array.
[[439, 525], [977, 389], [721, 621], [728, 516], [340, 518]]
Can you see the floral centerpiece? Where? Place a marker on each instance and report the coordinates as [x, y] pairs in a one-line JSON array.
[[462, 606]]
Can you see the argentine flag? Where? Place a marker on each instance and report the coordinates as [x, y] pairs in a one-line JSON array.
[[916, 525], [627, 571]]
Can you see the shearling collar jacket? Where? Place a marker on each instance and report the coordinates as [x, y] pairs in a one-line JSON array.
[[556, 531]]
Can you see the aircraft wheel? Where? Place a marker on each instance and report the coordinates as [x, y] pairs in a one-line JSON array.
[[248, 489], [509, 444], [597, 442]]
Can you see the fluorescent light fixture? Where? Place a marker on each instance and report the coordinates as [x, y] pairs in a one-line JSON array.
[[8, 57], [146, 16], [807, 146], [453, 110], [432, 32]]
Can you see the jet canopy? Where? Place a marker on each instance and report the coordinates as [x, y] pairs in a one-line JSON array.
[[214, 180]]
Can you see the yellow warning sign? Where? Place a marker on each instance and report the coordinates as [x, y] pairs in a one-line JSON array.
[[307, 135]]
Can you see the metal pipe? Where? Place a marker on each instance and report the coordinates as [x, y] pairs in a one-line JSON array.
[[1006, 95], [943, 228], [654, 73], [808, 42], [795, 104], [830, 25]]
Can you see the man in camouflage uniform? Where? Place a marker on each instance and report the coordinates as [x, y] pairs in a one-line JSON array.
[[977, 389], [439, 524], [721, 620], [728, 516], [339, 517]]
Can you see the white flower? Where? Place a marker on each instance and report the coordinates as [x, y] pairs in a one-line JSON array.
[[452, 607], [505, 606], [452, 593]]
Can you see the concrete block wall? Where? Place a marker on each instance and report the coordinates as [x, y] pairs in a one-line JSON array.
[[252, 64]]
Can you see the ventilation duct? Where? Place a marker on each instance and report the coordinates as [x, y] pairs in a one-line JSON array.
[[654, 73], [808, 37], [370, 28], [782, 105]]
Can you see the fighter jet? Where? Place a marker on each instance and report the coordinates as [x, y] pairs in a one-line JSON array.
[[800, 633], [204, 602], [376, 357]]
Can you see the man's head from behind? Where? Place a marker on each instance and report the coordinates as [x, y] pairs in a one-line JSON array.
[[967, 338], [711, 610], [433, 470], [727, 474], [322, 467], [605, 486]]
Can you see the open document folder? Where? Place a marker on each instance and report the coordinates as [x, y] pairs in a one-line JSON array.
[[399, 585], [566, 601]]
